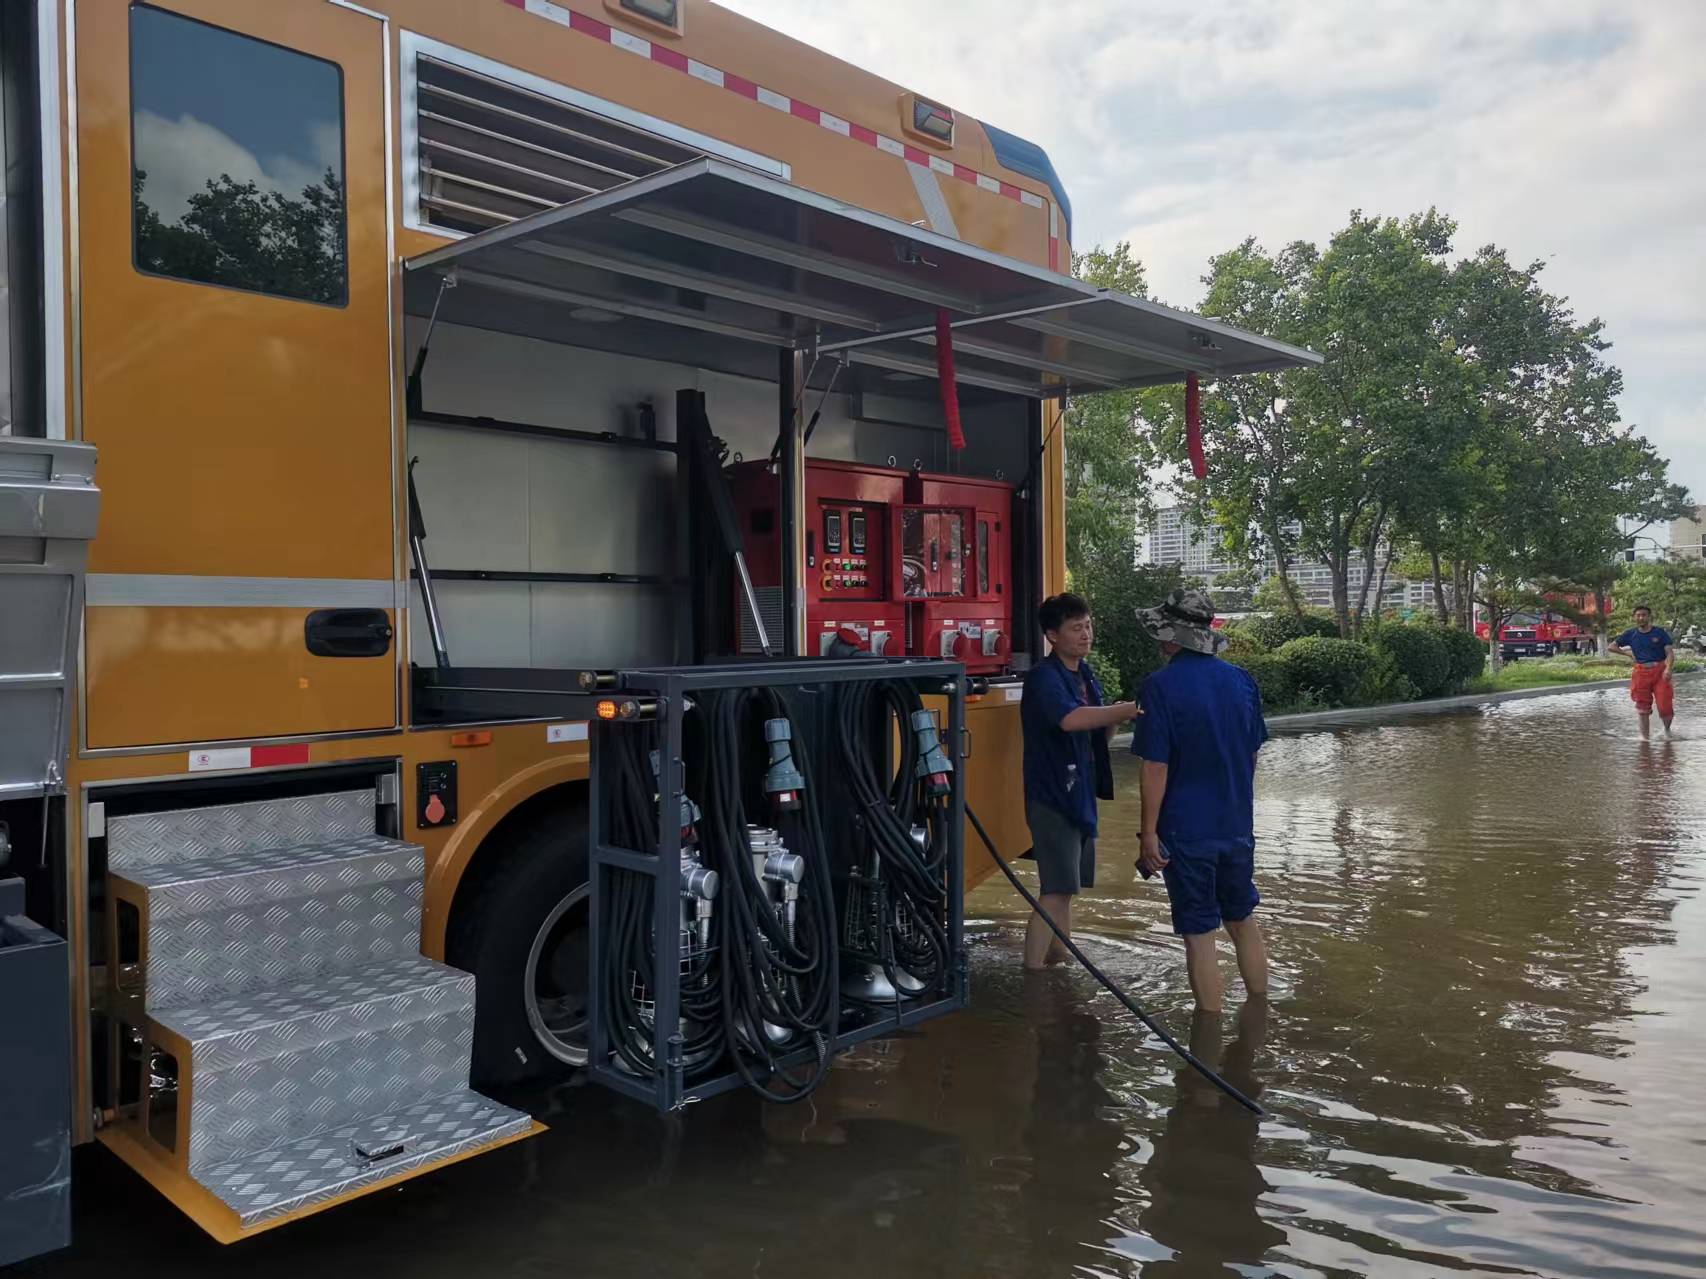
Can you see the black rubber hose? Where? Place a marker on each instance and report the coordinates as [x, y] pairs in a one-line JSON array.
[[911, 879], [768, 977], [634, 812], [1113, 988]]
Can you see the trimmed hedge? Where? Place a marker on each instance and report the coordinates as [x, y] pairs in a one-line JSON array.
[[1273, 677], [1274, 632], [1467, 654], [1330, 670], [1240, 643], [1421, 656]]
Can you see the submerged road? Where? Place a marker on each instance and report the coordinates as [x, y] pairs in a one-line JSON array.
[[1481, 1058]]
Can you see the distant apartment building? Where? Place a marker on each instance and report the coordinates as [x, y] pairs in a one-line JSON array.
[[1688, 535], [1174, 538], [1314, 582]]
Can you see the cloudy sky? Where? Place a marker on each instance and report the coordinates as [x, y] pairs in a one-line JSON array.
[[1572, 131]]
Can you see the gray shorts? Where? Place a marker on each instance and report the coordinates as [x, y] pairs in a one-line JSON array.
[[1065, 855]]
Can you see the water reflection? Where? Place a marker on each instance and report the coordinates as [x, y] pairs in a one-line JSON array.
[[1202, 1178], [1487, 938]]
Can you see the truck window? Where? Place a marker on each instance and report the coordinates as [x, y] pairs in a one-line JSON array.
[[237, 170]]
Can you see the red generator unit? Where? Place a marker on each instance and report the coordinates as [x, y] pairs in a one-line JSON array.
[[896, 563]]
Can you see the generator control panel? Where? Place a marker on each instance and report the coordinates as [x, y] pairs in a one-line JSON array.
[[847, 568], [897, 563]]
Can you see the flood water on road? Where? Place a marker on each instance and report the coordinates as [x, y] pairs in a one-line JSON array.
[[1482, 1057]]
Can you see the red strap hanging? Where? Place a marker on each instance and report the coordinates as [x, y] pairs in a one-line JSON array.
[[945, 379], [1193, 426]]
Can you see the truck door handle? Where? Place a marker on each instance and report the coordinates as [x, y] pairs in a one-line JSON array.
[[348, 632]]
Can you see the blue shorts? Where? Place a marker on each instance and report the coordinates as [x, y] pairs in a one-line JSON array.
[[1210, 882]]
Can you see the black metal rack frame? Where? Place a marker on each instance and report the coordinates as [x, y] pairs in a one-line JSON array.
[[673, 689]]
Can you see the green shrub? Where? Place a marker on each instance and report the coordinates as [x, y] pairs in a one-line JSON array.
[[1240, 643], [1421, 656], [1468, 655], [1273, 632], [1273, 677], [1383, 680], [1329, 669]]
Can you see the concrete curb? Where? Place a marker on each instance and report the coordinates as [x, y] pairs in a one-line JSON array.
[[1387, 711]]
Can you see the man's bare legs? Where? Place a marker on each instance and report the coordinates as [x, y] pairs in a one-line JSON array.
[[1202, 966], [1647, 724], [1042, 947], [1202, 963], [1252, 953]]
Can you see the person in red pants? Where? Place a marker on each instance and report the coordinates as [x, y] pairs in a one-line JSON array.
[[1655, 653]]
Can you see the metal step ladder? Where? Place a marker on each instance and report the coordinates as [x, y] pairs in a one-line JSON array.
[[297, 1048]]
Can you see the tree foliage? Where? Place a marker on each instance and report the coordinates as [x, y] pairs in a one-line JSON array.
[[1464, 424], [1108, 452], [1674, 589]]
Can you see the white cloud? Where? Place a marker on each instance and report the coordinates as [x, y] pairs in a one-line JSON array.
[[181, 155], [1569, 131]]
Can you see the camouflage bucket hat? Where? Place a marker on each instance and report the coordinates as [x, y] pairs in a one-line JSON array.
[[1185, 618]]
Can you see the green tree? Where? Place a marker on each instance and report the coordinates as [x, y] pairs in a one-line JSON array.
[[1116, 589], [1674, 589], [1323, 462], [1555, 472], [1107, 455], [1250, 424], [1275, 594]]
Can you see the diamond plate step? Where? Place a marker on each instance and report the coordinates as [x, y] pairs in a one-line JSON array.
[[272, 1066], [199, 834], [243, 921], [286, 1179]]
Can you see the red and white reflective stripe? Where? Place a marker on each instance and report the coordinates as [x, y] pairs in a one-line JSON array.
[[225, 759], [564, 16]]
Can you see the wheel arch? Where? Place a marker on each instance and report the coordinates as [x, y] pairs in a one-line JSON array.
[[477, 847]]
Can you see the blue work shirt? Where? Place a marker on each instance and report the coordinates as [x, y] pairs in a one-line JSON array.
[[1066, 771], [1202, 717], [1649, 646]]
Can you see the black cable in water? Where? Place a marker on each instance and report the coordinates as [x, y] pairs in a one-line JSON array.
[[1131, 1004]]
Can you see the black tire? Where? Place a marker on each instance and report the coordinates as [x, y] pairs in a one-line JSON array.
[[539, 868]]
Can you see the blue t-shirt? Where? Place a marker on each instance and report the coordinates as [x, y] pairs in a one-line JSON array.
[[1202, 717], [1648, 647], [1066, 771]]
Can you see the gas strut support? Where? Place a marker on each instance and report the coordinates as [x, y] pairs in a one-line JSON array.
[[417, 551]]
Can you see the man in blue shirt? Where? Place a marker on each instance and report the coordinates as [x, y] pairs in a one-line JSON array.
[[1202, 726], [1655, 653], [1066, 729]]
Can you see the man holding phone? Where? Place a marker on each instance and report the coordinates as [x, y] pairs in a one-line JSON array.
[[1201, 728]]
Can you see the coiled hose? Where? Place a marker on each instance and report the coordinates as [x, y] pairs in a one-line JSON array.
[[630, 920], [911, 904], [780, 987]]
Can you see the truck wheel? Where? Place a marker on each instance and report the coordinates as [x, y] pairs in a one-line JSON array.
[[523, 934]]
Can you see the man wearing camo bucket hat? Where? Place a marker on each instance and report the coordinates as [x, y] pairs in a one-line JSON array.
[[1201, 728]]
